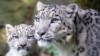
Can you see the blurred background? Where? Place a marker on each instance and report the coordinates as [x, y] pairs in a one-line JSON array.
[[22, 11]]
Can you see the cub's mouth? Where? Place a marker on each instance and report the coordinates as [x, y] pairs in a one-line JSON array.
[[23, 48]]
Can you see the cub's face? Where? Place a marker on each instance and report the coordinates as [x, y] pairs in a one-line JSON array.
[[20, 37], [51, 22]]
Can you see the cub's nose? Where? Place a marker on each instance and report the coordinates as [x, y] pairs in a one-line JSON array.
[[22, 45], [41, 33]]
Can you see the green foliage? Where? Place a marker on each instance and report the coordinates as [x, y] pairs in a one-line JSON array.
[[94, 4], [28, 2], [13, 11], [51, 50]]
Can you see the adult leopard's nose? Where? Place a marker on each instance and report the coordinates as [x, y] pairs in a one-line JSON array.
[[41, 33]]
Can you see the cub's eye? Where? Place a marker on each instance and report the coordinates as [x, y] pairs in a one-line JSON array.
[[29, 37], [37, 19], [54, 20], [17, 37]]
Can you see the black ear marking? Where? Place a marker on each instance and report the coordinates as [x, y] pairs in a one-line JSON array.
[[73, 7]]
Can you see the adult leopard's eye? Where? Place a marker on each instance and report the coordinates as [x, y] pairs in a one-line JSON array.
[[37, 19], [54, 20]]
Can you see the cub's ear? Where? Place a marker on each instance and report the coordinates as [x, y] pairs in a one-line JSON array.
[[72, 7], [9, 28], [40, 5]]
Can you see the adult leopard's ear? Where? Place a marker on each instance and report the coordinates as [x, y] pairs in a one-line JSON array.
[[72, 9], [40, 5], [9, 28]]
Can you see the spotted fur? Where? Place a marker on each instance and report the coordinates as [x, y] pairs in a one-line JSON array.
[[20, 39]]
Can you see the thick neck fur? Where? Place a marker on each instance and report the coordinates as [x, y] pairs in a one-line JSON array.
[[80, 26], [14, 52]]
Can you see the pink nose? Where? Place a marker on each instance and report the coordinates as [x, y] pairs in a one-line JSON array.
[[41, 33]]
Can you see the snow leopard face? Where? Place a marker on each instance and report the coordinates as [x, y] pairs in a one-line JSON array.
[[20, 37]]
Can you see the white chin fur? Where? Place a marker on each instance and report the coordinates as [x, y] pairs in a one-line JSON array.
[[23, 52], [42, 43]]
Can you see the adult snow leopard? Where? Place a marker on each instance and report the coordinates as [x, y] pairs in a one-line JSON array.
[[76, 31]]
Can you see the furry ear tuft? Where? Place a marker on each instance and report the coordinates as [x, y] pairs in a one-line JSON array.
[[9, 28], [40, 5], [72, 9]]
